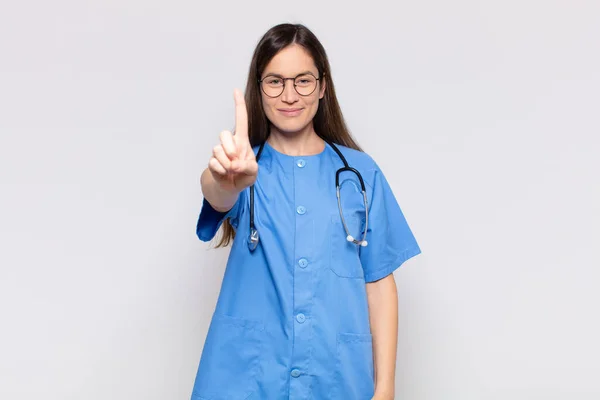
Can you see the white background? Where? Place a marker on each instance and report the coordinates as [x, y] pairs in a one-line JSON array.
[[483, 115]]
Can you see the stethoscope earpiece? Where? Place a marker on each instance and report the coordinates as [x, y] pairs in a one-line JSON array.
[[363, 243]]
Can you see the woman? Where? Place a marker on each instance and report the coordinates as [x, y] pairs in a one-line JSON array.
[[308, 303]]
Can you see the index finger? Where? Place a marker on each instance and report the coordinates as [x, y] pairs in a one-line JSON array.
[[241, 115]]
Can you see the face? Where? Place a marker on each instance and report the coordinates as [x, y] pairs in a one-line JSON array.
[[291, 112]]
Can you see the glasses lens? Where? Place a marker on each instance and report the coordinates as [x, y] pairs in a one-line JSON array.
[[305, 84], [272, 86]]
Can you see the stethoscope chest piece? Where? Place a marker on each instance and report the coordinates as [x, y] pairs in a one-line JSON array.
[[253, 239]]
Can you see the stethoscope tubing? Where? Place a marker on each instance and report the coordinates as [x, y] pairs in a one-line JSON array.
[[254, 237]]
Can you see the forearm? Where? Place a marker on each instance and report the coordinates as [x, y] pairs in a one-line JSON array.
[[382, 299], [218, 198]]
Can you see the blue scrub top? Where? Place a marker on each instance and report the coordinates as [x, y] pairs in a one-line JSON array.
[[292, 319]]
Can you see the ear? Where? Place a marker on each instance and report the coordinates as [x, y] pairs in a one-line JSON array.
[[323, 86]]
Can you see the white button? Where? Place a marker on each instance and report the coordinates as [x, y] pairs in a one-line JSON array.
[[303, 262], [295, 373], [300, 318], [301, 210], [301, 163]]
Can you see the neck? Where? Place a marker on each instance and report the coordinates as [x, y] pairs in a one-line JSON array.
[[303, 143]]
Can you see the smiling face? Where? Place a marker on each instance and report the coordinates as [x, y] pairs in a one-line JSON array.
[[291, 113]]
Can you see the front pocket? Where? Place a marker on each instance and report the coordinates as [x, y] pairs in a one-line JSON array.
[[344, 258], [354, 376], [230, 359]]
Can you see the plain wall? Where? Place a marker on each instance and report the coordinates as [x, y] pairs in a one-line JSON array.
[[483, 115]]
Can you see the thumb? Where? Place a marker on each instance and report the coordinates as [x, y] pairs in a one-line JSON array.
[[247, 167]]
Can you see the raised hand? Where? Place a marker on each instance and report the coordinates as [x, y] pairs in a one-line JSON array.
[[233, 164]]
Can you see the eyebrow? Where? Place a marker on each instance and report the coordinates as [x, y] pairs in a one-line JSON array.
[[301, 73]]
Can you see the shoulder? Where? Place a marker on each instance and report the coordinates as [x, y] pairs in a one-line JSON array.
[[366, 165], [357, 159]]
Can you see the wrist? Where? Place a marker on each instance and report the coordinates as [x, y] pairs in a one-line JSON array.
[[221, 199]]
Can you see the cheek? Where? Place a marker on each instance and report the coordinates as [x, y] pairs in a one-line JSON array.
[[268, 102], [313, 106], [268, 107]]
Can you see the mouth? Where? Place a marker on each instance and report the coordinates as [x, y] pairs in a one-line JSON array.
[[290, 112]]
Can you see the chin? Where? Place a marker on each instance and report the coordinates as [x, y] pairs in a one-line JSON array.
[[289, 128]]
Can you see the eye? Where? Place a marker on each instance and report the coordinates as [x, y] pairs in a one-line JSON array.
[[273, 80], [305, 80]]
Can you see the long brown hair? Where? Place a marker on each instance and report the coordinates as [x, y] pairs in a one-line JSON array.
[[328, 122]]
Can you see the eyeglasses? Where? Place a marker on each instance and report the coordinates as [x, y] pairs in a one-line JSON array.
[[274, 85]]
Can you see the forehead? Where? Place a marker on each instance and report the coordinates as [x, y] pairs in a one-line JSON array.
[[291, 61]]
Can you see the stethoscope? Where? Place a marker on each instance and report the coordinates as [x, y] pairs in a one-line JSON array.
[[253, 237]]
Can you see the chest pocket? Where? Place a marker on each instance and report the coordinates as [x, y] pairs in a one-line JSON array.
[[344, 258]]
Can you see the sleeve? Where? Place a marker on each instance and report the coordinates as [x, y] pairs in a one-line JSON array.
[[390, 240], [210, 220]]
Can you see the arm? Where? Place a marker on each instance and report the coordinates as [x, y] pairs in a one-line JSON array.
[[382, 298], [220, 199]]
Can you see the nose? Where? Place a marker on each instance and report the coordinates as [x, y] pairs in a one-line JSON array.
[[289, 94]]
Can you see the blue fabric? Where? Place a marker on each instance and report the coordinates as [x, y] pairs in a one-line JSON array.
[[292, 320], [210, 220]]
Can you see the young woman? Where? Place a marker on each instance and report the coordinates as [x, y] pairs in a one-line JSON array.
[[308, 303]]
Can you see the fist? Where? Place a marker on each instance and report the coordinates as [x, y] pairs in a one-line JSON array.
[[233, 164]]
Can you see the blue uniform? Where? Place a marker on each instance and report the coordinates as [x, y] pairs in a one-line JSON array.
[[292, 320]]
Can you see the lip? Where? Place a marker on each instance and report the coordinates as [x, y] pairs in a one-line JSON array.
[[290, 112]]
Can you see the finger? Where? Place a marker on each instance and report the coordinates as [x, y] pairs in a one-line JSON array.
[[242, 146], [247, 167], [241, 115], [241, 121], [222, 158], [228, 145], [216, 169]]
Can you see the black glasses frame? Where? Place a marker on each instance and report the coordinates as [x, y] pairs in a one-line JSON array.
[[283, 87]]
